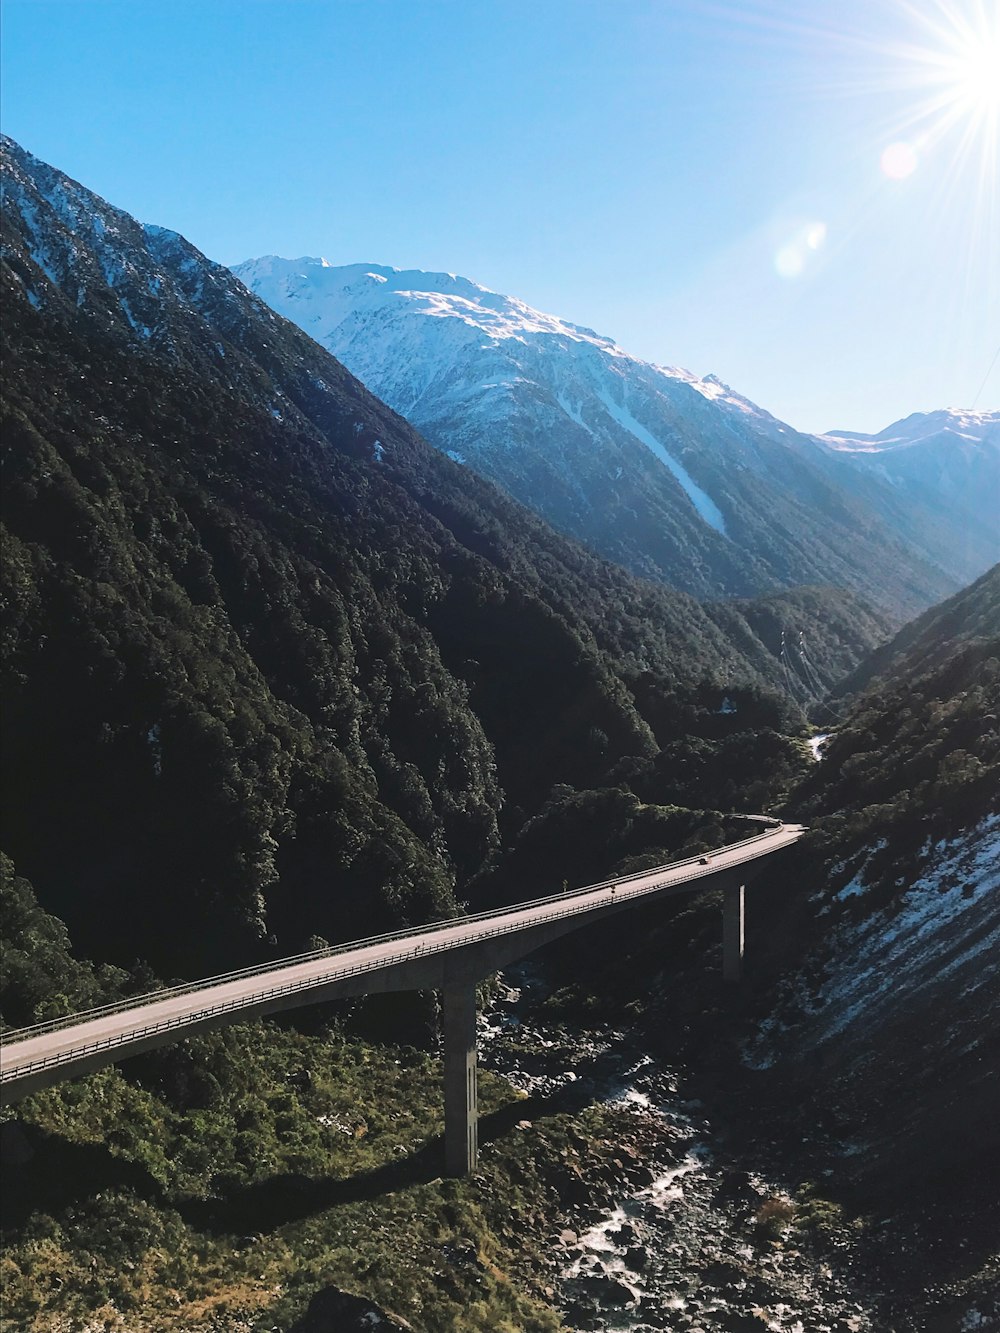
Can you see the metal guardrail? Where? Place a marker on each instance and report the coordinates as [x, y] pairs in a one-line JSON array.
[[333, 950], [421, 949]]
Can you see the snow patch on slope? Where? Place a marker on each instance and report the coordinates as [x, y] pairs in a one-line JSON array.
[[706, 507], [943, 929]]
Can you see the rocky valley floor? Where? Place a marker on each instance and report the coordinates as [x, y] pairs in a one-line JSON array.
[[680, 1235]]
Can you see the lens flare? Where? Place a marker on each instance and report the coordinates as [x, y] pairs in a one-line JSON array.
[[815, 235], [945, 78], [799, 249], [899, 160], [969, 71], [789, 261], [954, 70]]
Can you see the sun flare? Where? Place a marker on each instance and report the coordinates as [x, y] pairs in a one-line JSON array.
[[946, 78], [957, 65], [972, 72]]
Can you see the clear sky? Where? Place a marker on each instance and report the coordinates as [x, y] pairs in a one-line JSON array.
[[797, 195]]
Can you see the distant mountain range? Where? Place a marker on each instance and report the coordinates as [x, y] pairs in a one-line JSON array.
[[676, 477]]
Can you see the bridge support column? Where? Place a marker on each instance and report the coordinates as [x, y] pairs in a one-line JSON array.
[[461, 1133], [732, 933]]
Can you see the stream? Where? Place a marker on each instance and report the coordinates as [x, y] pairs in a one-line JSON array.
[[685, 1239]]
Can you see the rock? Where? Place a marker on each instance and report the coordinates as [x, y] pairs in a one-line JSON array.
[[583, 1319], [639, 1175], [462, 1252], [722, 1273], [737, 1189], [737, 1321], [568, 1237], [593, 1291], [626, 1234], [334, 1311]]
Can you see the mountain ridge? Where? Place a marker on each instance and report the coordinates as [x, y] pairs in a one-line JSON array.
[[675, 476]]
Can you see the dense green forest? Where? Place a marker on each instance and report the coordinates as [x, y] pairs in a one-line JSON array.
[[916, 757], [274, 667], [971, 615]]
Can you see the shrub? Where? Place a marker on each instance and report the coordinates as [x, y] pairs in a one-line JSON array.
[[774, 1217]]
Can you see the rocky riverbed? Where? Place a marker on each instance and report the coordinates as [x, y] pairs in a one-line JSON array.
[[681, 1237]]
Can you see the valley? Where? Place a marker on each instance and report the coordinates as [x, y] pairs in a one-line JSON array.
[[279, 674]]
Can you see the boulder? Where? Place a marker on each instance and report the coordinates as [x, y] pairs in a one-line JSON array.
[[334, 1311], [739, 1321], [607, 1290]]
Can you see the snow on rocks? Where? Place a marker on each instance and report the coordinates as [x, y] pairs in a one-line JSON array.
[[887, 965]]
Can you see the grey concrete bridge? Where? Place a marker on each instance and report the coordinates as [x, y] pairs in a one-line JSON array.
[[451, 956]]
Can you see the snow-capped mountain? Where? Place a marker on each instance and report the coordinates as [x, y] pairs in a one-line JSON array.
[[925, 429], [675, 476], [944, 469]]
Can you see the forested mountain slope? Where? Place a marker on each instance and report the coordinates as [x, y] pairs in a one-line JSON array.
[[676, 477], [274, 667], [973, 613], [862, 1050], [886, 1028]]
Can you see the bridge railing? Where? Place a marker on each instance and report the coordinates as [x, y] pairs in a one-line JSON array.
[[275, 992]]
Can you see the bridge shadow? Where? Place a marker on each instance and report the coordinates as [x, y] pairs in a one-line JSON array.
[[60, 1174], [291, 1197], [57, 1174]]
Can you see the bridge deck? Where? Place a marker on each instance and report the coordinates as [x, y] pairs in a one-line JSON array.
[[423, 958]]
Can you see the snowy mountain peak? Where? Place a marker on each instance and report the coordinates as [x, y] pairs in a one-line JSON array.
[[336, 293], [342, 306], [463, 362], [675, 475], [921, 428]]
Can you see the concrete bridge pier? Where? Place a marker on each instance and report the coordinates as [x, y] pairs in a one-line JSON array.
[[461, 1133], [732, 932]]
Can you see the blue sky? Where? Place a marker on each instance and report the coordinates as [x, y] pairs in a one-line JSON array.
[[703, 181]]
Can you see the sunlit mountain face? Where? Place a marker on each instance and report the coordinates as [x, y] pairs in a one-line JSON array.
[[676, 476]]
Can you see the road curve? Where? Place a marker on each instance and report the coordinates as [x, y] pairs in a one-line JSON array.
[[39, 1056]]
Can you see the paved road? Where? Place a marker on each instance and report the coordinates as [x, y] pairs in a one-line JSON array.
[[37, 1057]]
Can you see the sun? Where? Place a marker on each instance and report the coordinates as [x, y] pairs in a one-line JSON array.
[[945, 77], [956, 65], [971, 69]]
